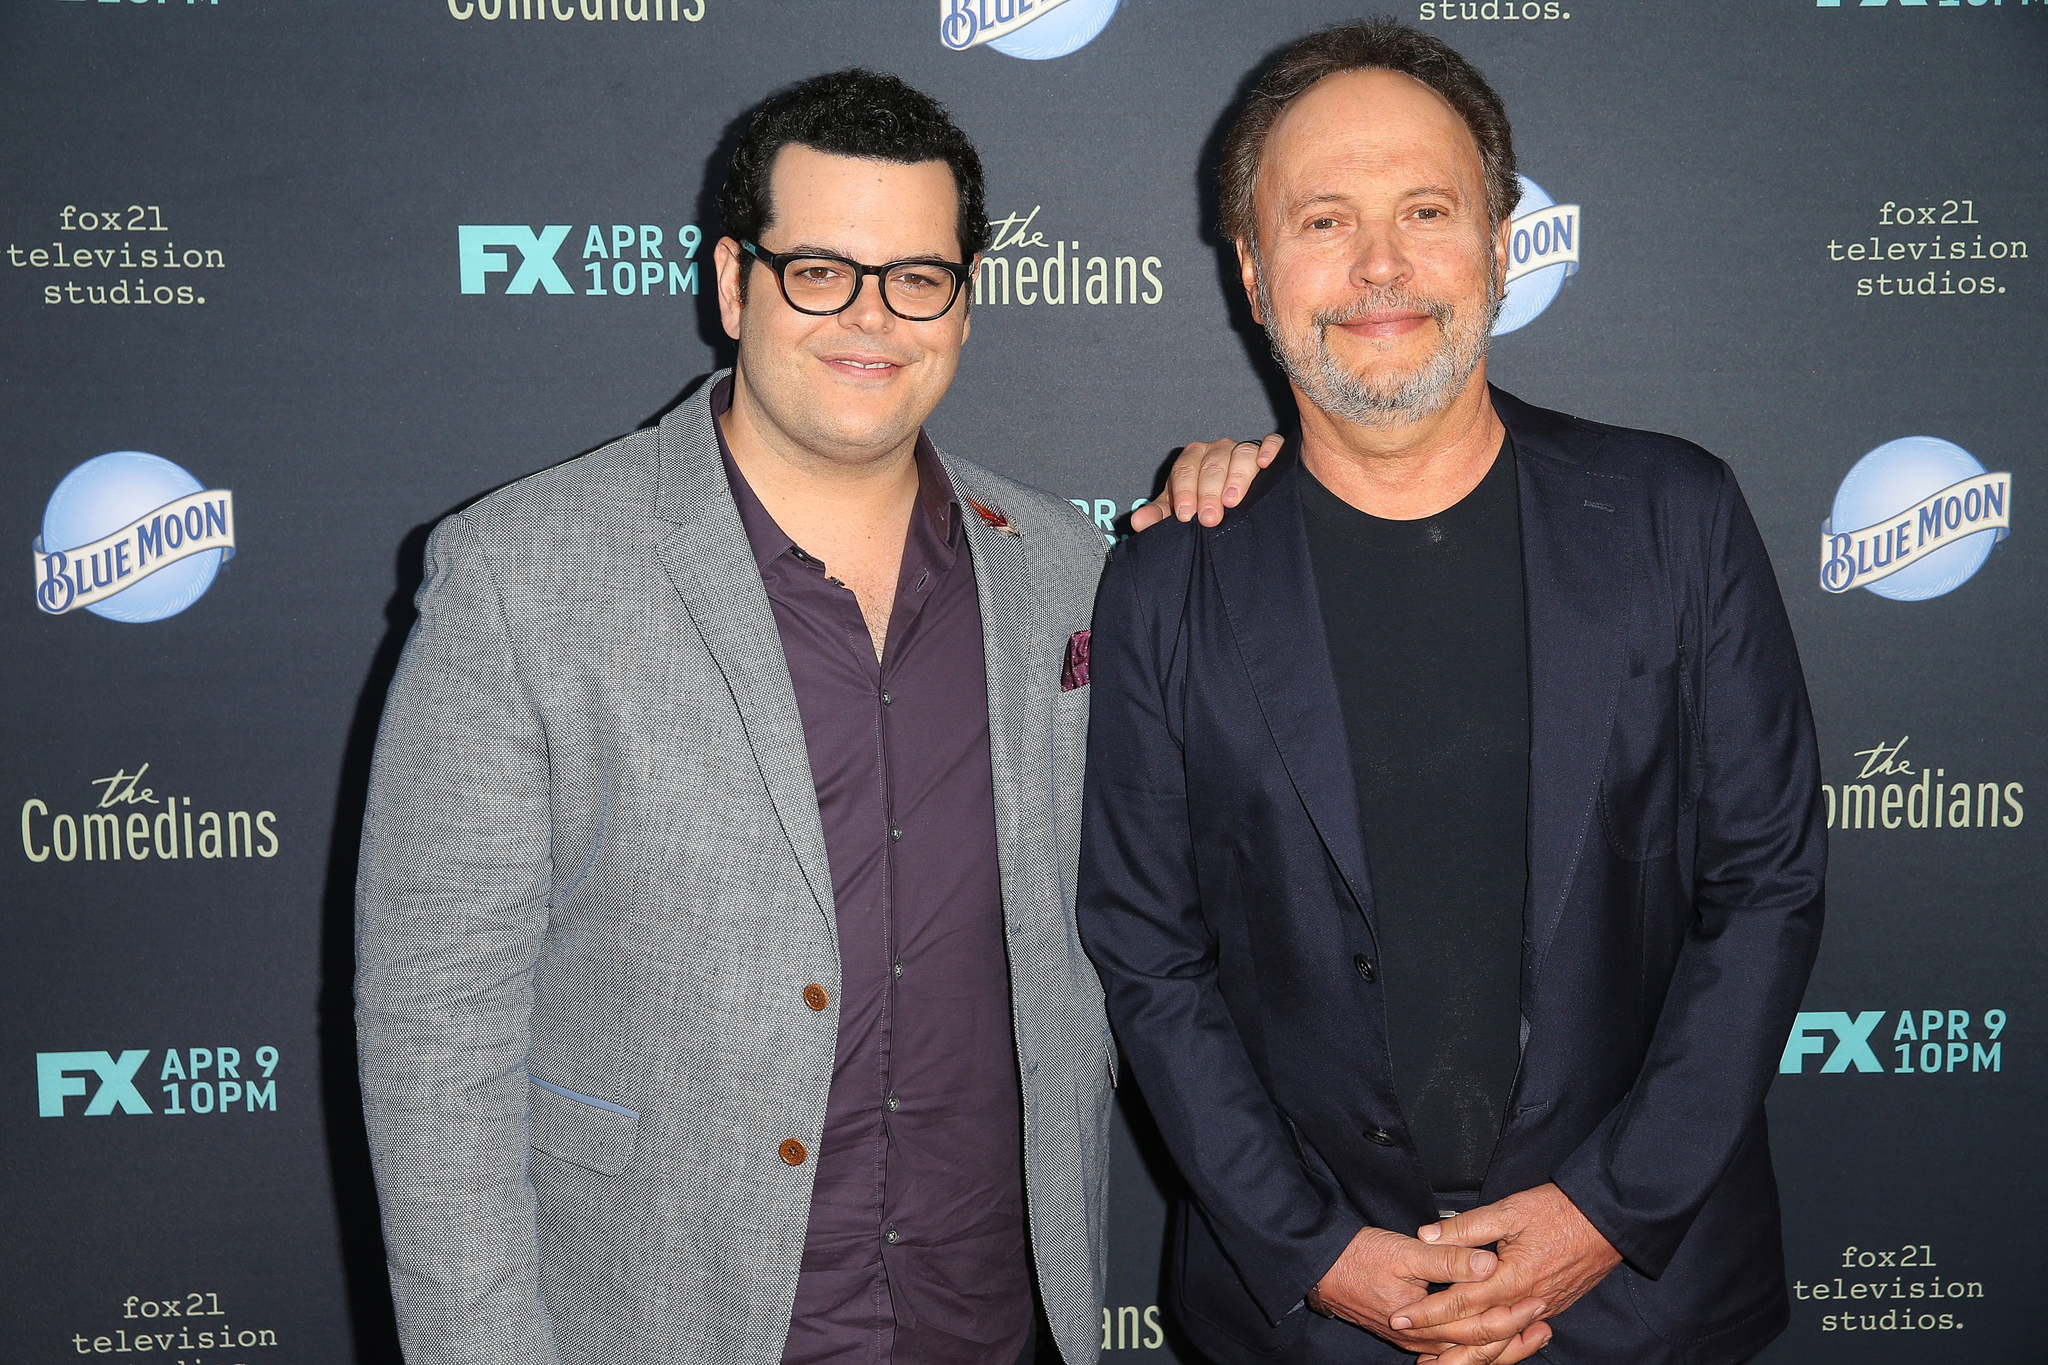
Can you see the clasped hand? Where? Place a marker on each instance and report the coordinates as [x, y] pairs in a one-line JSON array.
[[1494, 1309]]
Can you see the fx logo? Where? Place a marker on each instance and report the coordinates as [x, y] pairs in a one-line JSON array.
[[536, 256], [1852, 1042], [56, 1079]]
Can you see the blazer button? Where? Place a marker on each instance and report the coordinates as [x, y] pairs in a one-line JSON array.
[[792, 1152], [815, 997], [1378, 1136], [1365, 967]]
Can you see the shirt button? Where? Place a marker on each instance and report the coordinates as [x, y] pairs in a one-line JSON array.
[[815, 996], [886, 698], [891, 1237], [792, 1152], [1365, 967], [895, 833], [1379, 1136], [898, 969], [893, 1104]]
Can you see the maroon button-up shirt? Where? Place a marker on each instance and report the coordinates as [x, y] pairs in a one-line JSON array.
[[916, 1249]]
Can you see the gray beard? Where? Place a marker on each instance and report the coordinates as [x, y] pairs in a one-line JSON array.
[[1337, 391]]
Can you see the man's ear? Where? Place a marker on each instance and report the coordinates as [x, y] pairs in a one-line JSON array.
[[1248, 272], [727, 261], [1501, 237]]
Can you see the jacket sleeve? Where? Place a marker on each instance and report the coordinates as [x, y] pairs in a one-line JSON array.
[[451, 909], [1141, 921], [1758, 865]]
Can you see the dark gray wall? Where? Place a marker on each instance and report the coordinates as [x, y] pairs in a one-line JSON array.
[[320, 157]]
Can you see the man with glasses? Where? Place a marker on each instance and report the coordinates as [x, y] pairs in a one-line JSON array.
[[719, 994]]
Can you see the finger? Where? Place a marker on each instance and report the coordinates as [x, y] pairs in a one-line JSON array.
[[1480, 1227], [1461, 1300], [1497, 1323], [1449, 1264], [1182, 482], [1238, 472], [1483, 1353], [1209, 482], [1147, 515], [1528, 1342], [1269, 449]]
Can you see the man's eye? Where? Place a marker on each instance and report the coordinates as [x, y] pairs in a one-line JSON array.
[[1429, 213], [1319, 223]]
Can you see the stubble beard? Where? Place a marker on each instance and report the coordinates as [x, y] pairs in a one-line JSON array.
[[1308, 362]]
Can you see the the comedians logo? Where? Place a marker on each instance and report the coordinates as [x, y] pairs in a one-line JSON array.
[[1067, 272], [562, 11], [622, 259], [192, 1080], [127, 820], [1034, 30], [144, 2], [1543, 252], [131, 537], [1913, 519], [1888, 791]]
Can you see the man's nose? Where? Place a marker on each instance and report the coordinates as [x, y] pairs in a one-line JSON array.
[[868, 312], [1380, 260]]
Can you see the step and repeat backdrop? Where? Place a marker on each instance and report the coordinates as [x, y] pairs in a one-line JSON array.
[[286, 281]]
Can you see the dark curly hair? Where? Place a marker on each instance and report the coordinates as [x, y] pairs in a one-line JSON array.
[[854, 112], [1366, 45]]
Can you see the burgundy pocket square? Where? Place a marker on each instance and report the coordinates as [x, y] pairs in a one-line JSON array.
[[1074, 673]]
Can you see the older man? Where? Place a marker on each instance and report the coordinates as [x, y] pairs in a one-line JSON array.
[[1453, 858]]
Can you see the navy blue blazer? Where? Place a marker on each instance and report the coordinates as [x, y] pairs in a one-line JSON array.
[[1676, 856]]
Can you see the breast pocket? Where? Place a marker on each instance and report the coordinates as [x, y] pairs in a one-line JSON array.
[[1642, 788]]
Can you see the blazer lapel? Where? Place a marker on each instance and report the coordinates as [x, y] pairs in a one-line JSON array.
[[1019, 682], [1576, 570], [712, 567], [1262, 568]]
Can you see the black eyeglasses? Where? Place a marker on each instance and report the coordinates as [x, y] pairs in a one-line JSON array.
[[916, 291]]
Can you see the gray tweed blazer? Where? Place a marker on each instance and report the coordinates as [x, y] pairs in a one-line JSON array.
[[593, 887]]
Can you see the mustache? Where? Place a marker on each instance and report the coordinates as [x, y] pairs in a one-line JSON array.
[[1374, 300]]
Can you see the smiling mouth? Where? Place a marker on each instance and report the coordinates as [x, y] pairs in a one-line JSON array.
[[1389, 319], [864, 365]]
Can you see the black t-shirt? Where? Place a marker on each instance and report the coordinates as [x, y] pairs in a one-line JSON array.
[[1428, 638]]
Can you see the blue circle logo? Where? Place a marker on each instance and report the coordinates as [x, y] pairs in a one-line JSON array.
[[131, 537], [1034, 30], [1543, 252], [1915, 518]]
